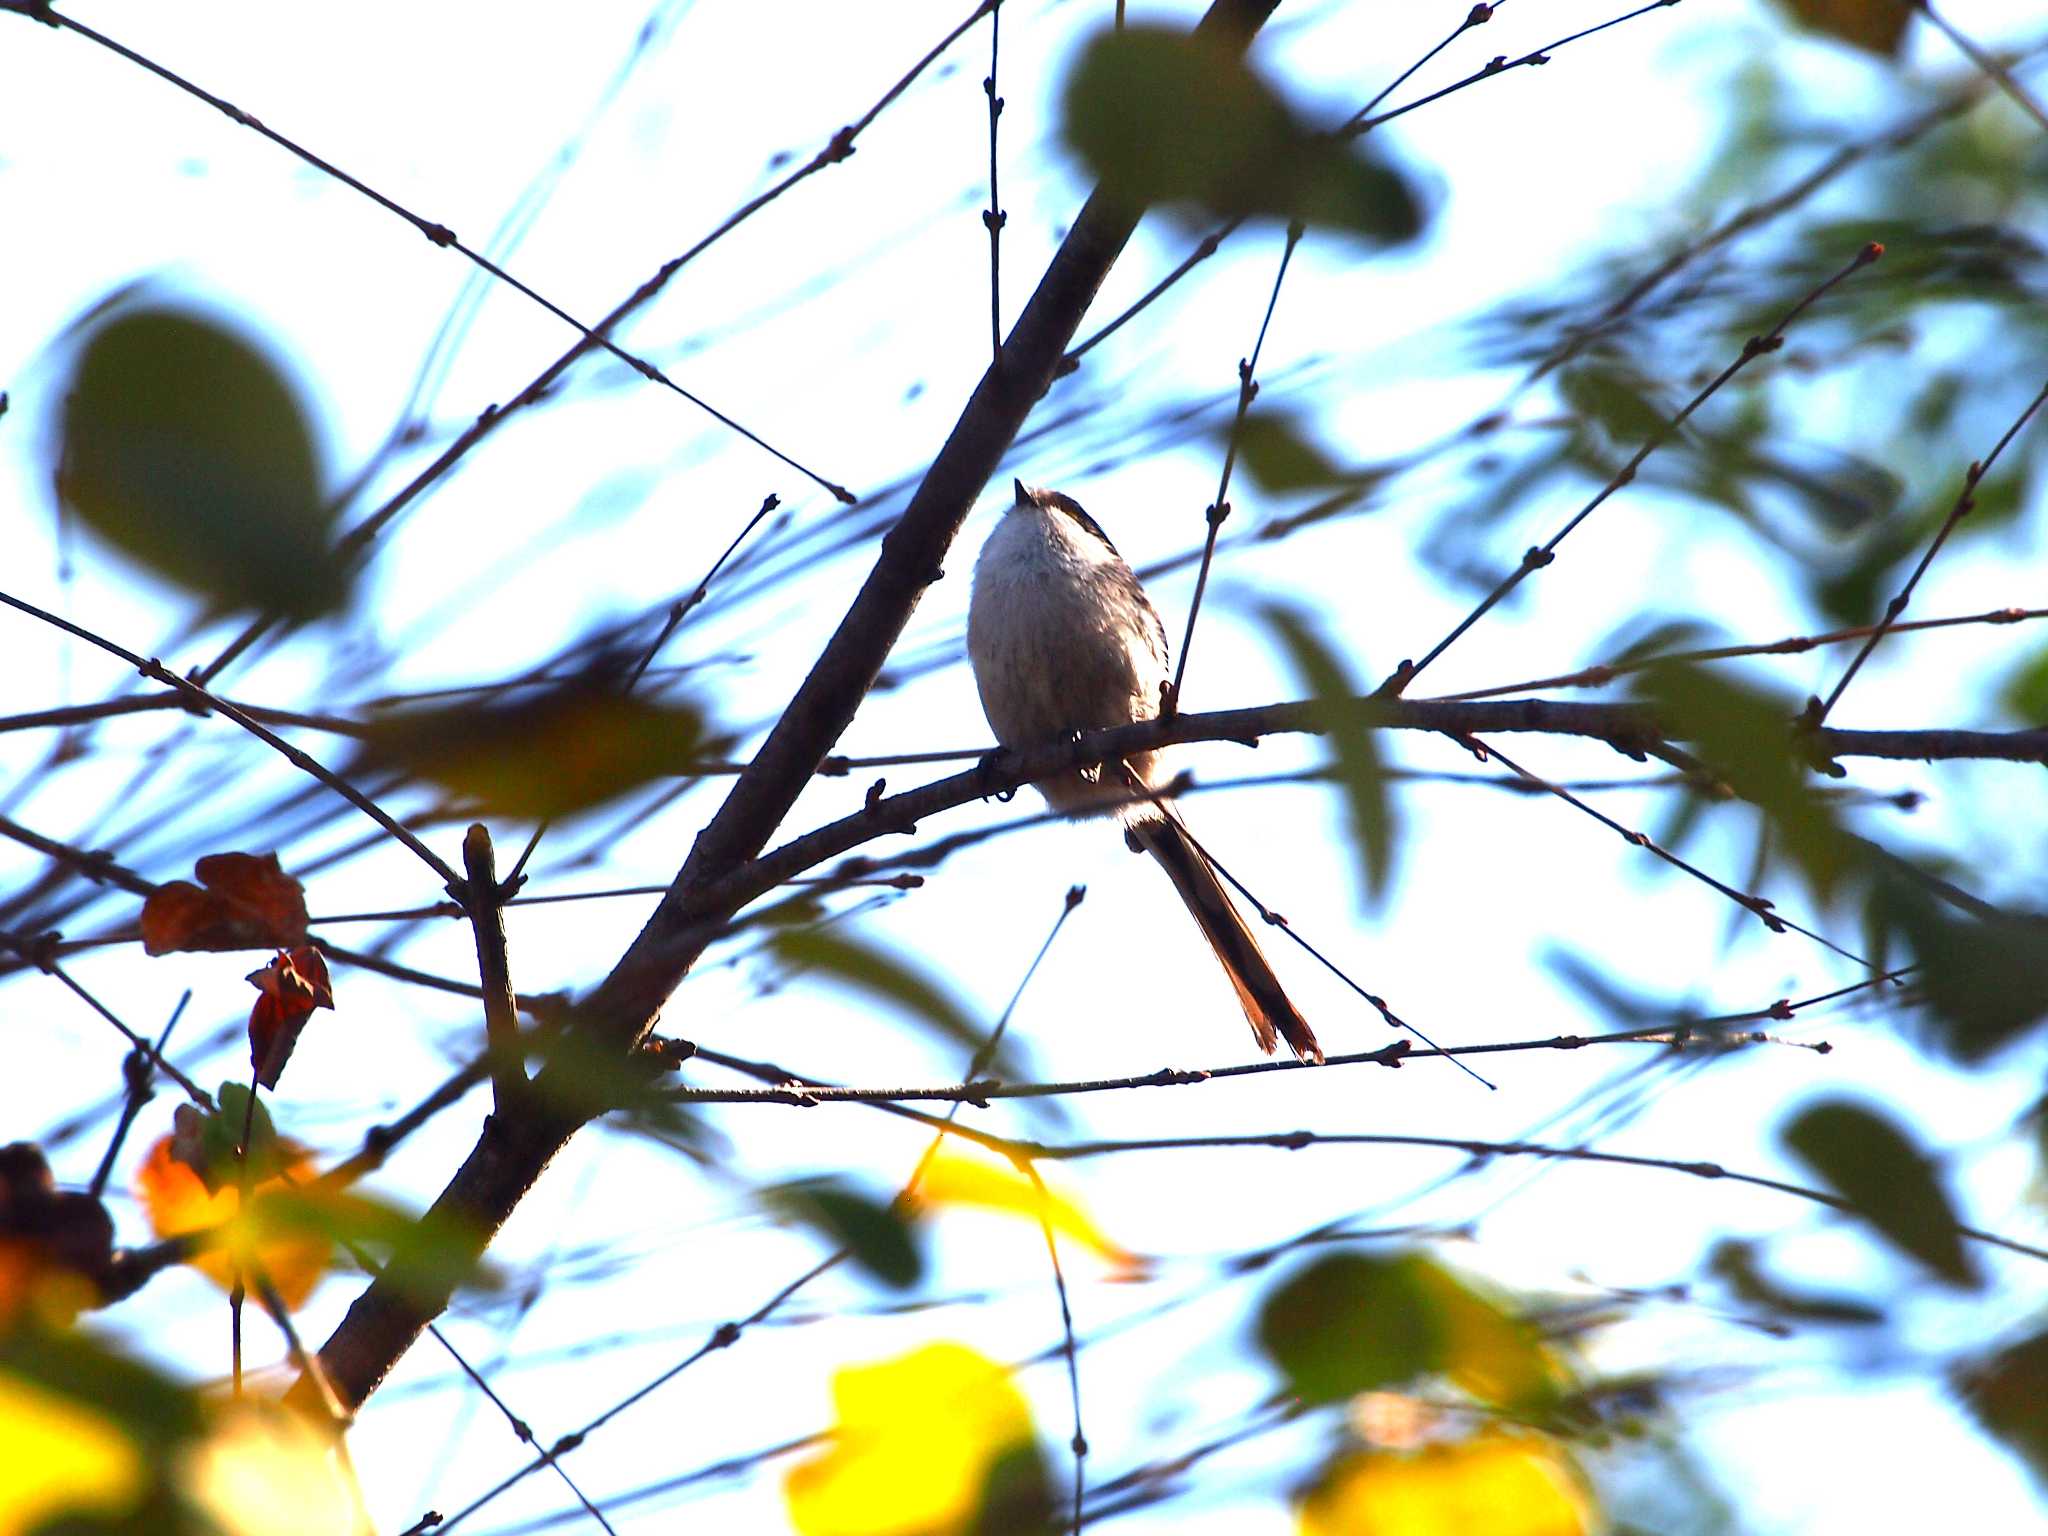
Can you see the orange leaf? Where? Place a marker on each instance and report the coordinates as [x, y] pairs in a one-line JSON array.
[[177, 1201], [293, 985], [249, 902]]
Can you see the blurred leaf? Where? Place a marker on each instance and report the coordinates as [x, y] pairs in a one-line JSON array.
[[2024, 694], [1853, 593], [561, 751], [874, 1232], [1496, 1483], [1359, 771], [249, 902], [291, 987], [1745, 736], [178, 1202], [1353, 1323], [1163, 116], [1277, 454], [1875, 26], [55, 1245], [84, 1434], [888, 979], [1647, 635], [184, 446], [938, 1442], [959, 1177], [424, 1257], [1985, 979], [1735, 1264], [1870, 1162], [2007, 1391], [1623, 1007], [1996, 503], [65, 1457], [264, 1470], [1620, 399]]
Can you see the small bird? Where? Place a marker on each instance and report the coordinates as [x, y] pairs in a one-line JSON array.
[[1063, 639]]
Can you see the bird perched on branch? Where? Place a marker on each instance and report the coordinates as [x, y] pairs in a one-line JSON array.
[[1063, 639]]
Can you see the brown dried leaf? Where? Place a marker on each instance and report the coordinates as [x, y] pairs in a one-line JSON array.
[[248, 902]]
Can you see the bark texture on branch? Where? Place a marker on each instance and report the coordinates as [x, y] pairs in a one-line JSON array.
[[512, 1153]]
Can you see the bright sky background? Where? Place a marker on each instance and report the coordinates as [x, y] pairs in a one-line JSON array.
[[845, 324]]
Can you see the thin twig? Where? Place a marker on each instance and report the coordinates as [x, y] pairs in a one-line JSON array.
[[440, 235], [138, 1068], [1758, 907], [1365, 122], [1706, 1034], [993, 218], [839, 148], [1209, 243], [1293, 1141], [1219, 509], [33, 953], [728, 1334], [2006, 81], [150, 667], [1603, 673], [681, 609], [1966, 498], [1379, 1004], [1541, 555], [1079, 1443]]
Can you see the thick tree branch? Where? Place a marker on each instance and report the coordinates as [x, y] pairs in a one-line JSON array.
[[1629, 728], [511, 1154]]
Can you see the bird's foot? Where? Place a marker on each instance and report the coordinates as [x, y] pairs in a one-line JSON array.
[[994, 764]]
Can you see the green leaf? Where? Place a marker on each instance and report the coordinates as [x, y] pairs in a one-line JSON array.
[[1735, 1264], [424, 1258], [186, 448], [876, 1234], [1875, 26], [1854, 592], [154, 1410], [563, 750], [2007, 1392], [1985, 979], [1617, 397], [1352, 1323], [1359, 770], [1745, 736], [888, 979], [2024, 694], [208, 1141], [1888, 1182], [1276, 452], [1164, 116]]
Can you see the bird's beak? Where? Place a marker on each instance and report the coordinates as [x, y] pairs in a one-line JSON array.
[[1023, 496]]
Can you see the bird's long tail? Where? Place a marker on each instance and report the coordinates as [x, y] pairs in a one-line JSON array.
[[1272, 1016]]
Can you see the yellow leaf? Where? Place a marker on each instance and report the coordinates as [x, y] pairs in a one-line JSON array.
[[177, 1201], [1504, 1485], [268, 1472], [57, 1457], [923, 1445], [971, 1178]]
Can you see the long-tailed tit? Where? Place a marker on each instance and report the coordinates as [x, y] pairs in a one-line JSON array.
[[1063, 639]]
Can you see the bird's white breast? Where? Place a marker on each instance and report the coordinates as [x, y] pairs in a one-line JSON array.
[[1060, 635]]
